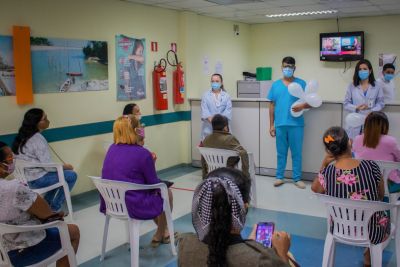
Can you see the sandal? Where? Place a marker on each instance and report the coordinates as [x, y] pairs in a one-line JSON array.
[[155, 243], [167, 239]]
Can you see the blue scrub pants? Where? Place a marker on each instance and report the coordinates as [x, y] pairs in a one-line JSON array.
[[289, 137]]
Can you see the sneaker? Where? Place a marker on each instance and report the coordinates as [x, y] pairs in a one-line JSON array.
[[300, 184], [278, 182]]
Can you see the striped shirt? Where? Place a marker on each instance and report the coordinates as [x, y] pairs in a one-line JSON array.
[[360, 183]]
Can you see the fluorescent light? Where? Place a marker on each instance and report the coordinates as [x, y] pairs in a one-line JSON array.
[[306, 13]]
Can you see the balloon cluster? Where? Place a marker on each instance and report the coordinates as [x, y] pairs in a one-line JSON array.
[[354, 120], [308, 96]]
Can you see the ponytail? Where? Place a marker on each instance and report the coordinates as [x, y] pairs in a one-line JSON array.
[[218, 238]]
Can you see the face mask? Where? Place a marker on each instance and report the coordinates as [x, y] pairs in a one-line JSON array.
[[388, 77], [140, 132], [288, 72], [10, 167], [363, 74], [138, 117], [215, 85]]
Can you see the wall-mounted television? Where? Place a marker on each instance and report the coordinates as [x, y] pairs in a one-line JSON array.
[[341, 46]]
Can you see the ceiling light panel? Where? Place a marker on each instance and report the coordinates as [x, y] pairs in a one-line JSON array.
[[302, 13]]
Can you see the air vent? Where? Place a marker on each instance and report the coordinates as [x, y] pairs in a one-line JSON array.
[[233, 2]]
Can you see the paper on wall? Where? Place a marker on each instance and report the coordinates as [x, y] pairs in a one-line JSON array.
[[385, 58], [206, 65], [219, 67]]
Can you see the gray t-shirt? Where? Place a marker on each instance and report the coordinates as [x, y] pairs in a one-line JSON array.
[[15, 200], [36, 150]]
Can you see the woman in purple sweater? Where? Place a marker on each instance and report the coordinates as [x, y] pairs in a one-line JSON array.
[[129, 162]]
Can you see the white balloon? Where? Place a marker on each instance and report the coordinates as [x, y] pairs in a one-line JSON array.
[[313, 100], [297, 114], [354, 120], [312, 87], [296, 90]]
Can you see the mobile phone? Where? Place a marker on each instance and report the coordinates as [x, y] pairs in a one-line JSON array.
[[264, 233]]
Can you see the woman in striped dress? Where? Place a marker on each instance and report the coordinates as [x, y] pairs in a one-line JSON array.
[[352, 178]]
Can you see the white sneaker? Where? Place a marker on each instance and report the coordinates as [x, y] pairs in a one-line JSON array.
[[278, 182], [300, 184]]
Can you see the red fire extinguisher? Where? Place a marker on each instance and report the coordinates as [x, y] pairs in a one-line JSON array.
[[160, 86], [178, 79]]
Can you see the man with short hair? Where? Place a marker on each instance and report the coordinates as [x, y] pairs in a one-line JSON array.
[[386, 82], [221, 138], [287, 129]]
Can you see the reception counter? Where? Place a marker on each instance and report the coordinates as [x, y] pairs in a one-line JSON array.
[[250, 124]]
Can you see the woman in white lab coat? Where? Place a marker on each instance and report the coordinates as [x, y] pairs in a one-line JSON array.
[[363, 95], [214, 101]]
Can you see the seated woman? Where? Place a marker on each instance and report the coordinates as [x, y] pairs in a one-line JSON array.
[[132, 109], [376, 144], [128, 161], [21, 206], [219, 210], [221, 138], [351, 178], [30, 145]]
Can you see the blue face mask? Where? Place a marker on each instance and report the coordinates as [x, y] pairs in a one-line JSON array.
[[388, 77], [288, 72], [363, 74], [215, 85]]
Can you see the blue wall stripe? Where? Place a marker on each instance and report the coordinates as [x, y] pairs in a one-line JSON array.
[[89, 129]]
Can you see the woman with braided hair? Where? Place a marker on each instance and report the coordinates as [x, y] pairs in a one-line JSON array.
[[219, 211]]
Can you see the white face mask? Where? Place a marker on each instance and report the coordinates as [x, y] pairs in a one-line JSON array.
[[138, 117]]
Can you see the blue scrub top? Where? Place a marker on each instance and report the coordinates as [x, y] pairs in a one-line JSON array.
[[283, 100]]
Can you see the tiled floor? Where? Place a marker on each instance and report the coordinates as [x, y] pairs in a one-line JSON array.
[[293, 210]]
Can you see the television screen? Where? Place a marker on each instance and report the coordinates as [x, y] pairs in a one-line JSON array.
[[342, 46]]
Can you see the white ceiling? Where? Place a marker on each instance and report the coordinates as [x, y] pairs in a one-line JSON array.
[[254, 11]]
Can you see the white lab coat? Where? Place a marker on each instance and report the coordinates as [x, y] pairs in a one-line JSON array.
[[388, 90], [212, 104]]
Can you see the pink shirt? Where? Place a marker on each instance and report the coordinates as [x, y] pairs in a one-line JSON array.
[[387, 150]]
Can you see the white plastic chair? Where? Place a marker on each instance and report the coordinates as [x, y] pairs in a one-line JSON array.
[[19, 174], [386, 167], [217, 158], [350, 219], [113, 193], [66, 247]]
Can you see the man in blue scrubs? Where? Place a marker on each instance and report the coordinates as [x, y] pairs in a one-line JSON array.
[[287, 129]]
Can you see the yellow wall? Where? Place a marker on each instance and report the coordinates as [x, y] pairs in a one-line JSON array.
[[102, 20], [300, 39], [197, 37], [214, 39]]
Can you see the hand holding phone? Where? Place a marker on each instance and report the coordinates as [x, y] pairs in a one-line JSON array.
[[264, 233]]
